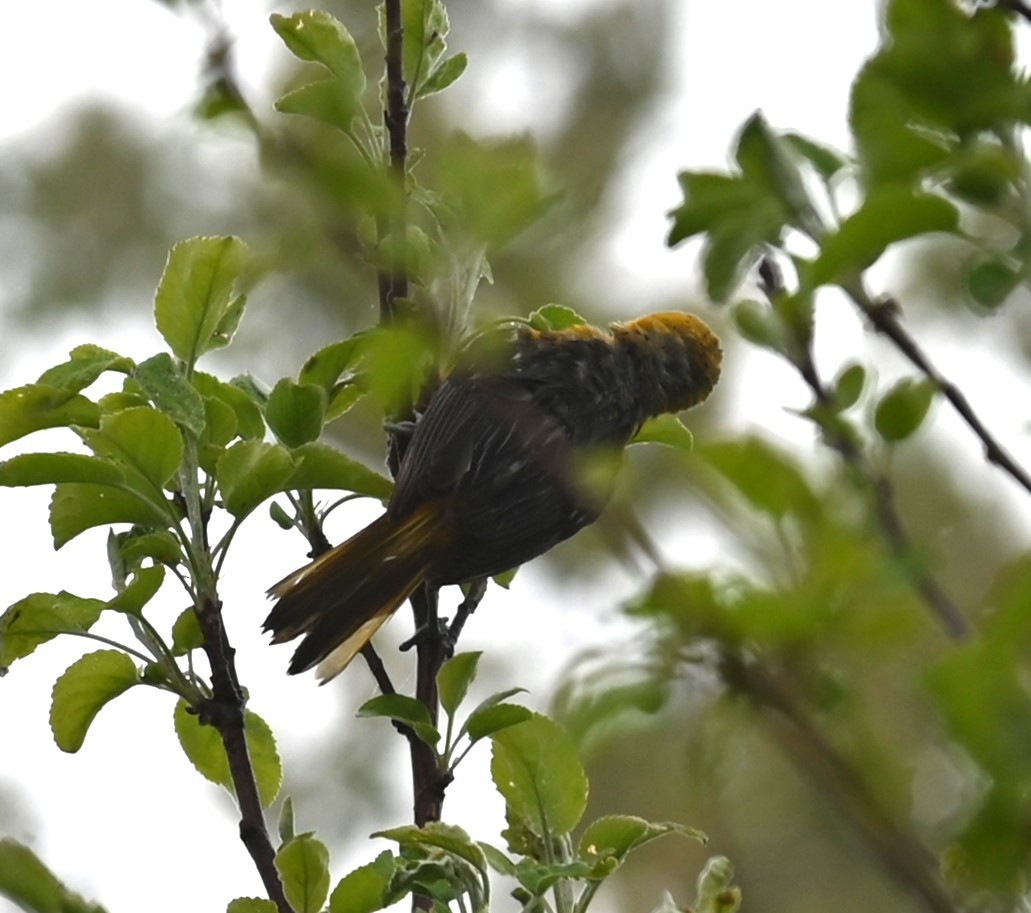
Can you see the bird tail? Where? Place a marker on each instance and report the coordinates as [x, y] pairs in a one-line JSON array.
[[341, 599]]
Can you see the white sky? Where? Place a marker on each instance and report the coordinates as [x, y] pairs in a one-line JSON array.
[[175, 848]]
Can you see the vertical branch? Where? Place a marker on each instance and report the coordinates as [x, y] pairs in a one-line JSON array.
[[393, 278]]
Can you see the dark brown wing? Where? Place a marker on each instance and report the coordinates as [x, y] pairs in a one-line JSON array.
[[505, 469]]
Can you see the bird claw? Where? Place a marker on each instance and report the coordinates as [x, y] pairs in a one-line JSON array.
[[428, 633]]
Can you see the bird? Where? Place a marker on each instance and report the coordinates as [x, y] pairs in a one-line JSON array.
[[496, 470]]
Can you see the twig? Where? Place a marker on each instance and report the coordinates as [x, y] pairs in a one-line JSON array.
[[393, 280], [225, 711], [884, 317], [900, 854]]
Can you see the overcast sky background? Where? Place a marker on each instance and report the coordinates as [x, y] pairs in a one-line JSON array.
[[733, 58]]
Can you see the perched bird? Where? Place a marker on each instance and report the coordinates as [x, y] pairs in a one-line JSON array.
[[493, 473]]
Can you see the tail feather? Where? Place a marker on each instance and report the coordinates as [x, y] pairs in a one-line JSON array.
[[343, 597]]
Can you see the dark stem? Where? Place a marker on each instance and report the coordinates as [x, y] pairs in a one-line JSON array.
[[225, 711], [884, 315], [1015, 6], [901, 855], [393, 278]]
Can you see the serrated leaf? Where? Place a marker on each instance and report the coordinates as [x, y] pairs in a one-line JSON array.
[[296, 412], [454, 679], [318, 37], [903, 408], [443, 836], [38, 406], [665, 429], [404, 709], [426, 25], [553, 317], [79, 506], [166, 386], [888, 215], [364, 890], [536, 768], [142, 441], [251, 905], [482, 723], [303, 865], [186, 632], [203, 746], [249, 422], [85, 364], [53, 468], [196, 292], [251, 471], [40, 617], [327, 365], [444, 74], [83, 690], [145, 583]]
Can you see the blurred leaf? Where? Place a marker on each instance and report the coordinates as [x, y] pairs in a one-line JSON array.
[[364, 890], [716, 891], [454, 679], [251, 471], [826, 160], [903, 408], [51, 468], [195, 306], [321, 466], [295, 412], [25, 881], [848, 386], [767, 160], [444, 74], [303, 865], [38, 406], [164, 384], [83, 690], [85, 364], [665, 429], [322, 100], [40, 617], [318, 37], [426, 25], [886, 217], [553, 317], [991, 282], [535, 767], [203, 746], [403, 709]]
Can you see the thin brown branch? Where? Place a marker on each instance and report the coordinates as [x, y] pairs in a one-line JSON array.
[[225, 711], [898, 851], [393, 280], [884, 316]]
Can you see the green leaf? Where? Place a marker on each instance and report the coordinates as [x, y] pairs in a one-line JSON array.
[[40, 617], [251, 905], [162, 547], [497, 860], [186, 633], [538, 878], [86, 686], [665, 429], [303, 865], [443, 836], [848, 386], [762, 326], [142, 441], [445, 73], [296, 412], [29, 884], [286, 829], [322, 466], [85, 364], [249, 422], [196, 294], [251, 471], [203, 746], [616, 835], [52, 468], [165, 385], [903, 408], [318, 37], [407, 710], [826, 160], [327, 365], [145, 583], [454, 679], [322, 100], [78, 506], [536, 769], [554, 317], [485, 722], [887, 216], [991, 282], [767, 160], [425, 26], [735, 243], [38, 406], [365, 890]]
